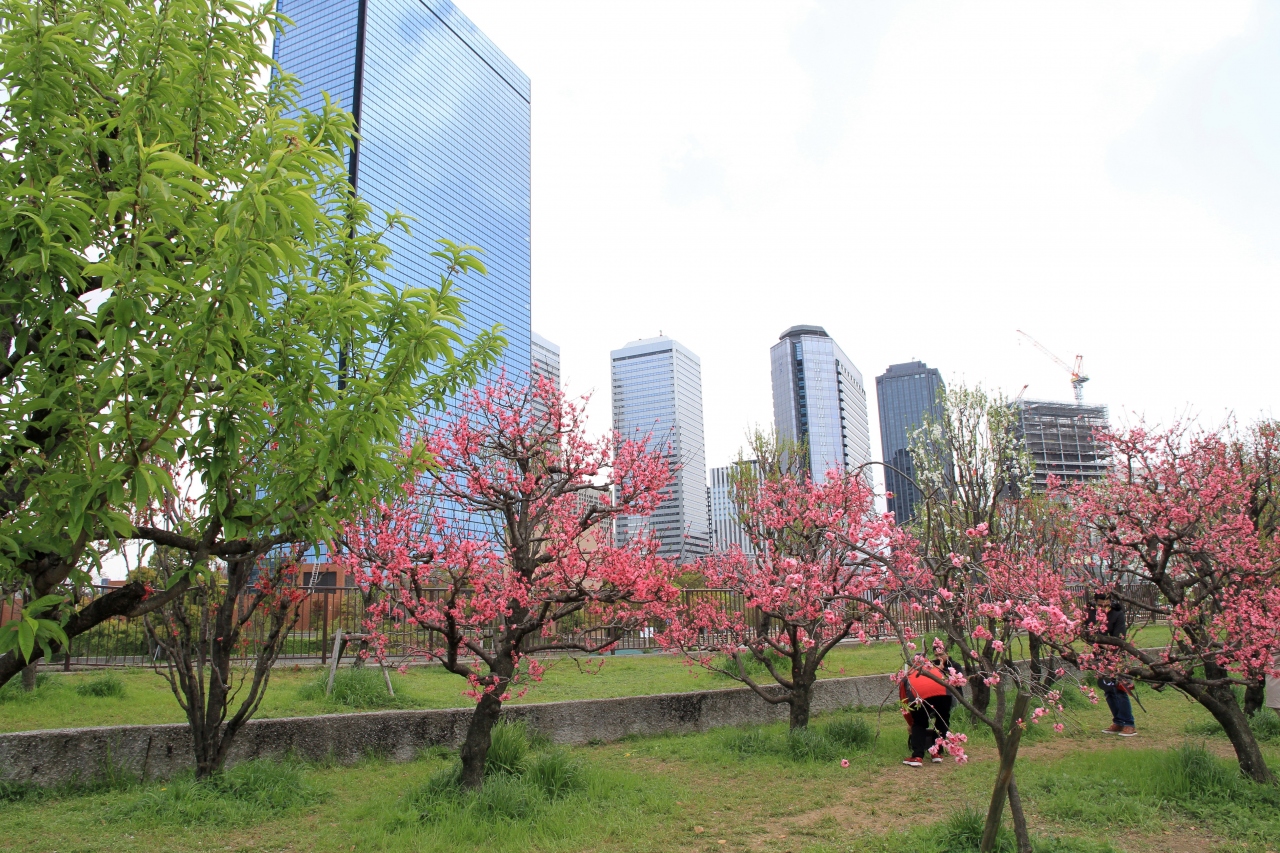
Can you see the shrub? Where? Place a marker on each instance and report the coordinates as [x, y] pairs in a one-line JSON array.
[[107, 685], [361, 687], [556, 774], [849, 732], [829, 740], [810, 744], [508, 750], [961, 832]]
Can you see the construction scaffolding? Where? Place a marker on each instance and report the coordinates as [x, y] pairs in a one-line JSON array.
[[1062, 440]]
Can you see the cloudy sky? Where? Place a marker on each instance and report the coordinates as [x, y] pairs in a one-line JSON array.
[[922, 179]]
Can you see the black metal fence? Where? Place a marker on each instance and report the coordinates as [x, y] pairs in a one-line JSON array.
[[124, 642]]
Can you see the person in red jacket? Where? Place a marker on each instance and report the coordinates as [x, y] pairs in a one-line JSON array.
[[926, 706]]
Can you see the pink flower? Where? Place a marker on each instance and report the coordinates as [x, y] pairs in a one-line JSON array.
[[844, 762]]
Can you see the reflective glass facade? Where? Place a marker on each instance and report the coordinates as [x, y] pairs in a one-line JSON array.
[[657, 392], [906, 395], [444, 121], [819, 398]]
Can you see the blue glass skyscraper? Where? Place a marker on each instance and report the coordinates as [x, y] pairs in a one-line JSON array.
[[818, 399], [444, 123], [907, 395]]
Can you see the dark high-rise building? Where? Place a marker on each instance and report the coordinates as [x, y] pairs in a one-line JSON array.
[[819, 399], [1062, 440], [906, 394], [444, 138]]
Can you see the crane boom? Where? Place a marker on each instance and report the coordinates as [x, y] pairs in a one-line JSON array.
[[1078, 377]]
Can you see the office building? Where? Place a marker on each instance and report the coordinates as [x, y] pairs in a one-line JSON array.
[[657, 393], [1062, 440], [906, 395], [443, 117], [544, 358], [819, 399], [726, 529]]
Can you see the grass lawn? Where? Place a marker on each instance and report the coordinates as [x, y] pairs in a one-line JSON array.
[[726, 790], [143, 696]]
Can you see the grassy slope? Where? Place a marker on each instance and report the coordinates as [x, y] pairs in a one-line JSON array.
[[147, 698], [690, 792]]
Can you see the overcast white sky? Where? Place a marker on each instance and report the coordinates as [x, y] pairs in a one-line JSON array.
[[921, 179]]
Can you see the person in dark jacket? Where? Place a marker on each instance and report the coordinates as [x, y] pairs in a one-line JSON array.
[[1115, 688]]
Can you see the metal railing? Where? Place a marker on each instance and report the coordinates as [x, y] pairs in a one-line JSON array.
[[122, 641]]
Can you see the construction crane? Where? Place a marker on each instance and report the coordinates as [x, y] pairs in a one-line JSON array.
[[1078, 378]]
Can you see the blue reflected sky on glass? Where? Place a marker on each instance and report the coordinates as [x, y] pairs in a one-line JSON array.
[[445, 139]]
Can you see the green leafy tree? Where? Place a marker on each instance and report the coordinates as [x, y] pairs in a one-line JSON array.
[[191, 291]]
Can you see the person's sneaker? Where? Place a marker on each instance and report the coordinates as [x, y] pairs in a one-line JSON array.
[[937, 759], [913, 762], [1127, 731], [1113, 729]]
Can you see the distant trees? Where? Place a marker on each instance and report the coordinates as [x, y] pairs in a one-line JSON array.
[[506, 548]]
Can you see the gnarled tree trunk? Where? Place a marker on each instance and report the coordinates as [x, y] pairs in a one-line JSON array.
[[475, 749], [801, 697], [1221, 703]]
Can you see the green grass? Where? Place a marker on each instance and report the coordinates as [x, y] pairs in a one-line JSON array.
[[1086, 793], [1265, 724], [146, 699]]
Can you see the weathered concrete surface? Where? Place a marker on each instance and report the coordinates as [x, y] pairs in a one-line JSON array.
[[56, 757]]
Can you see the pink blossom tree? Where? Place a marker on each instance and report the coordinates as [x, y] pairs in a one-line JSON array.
[[987, 599], [819, 574], [991, 578], [505, 548], [1177, 514]]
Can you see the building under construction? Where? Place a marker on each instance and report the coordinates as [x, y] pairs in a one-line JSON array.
[[1062, 440]]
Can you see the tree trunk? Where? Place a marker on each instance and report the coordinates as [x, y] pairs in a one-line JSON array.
[[476, 747], [1020, 831], [1254, 695], [1221, 702], [1008, 748], [981, 692], [801, 696], [29, 676]]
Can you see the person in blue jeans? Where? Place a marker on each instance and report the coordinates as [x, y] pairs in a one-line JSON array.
[[1115, 688]]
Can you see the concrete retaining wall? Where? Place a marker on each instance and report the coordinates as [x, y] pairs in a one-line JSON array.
[[60, 756]]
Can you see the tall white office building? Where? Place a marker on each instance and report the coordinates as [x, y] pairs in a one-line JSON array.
[[657, 392], [544, 357], [819, 398], [726, 531]]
